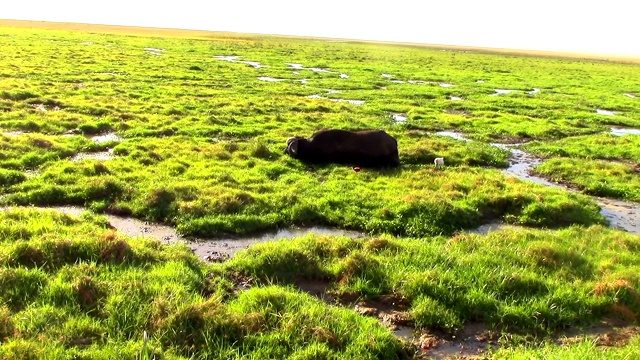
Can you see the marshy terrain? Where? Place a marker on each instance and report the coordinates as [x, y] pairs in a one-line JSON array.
[[149, 210]]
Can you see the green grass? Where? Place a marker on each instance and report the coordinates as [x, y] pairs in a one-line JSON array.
[[595, 177], [586, 349], [602, 165], [201, 149], [518, 280], [70, 287], [601, 147]]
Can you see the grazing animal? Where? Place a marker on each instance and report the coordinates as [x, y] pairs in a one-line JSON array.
[[439, 162], [364, 148]]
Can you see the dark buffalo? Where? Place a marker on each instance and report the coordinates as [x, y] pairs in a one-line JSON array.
[[366, 148]]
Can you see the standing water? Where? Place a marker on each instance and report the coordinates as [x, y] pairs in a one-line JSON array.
[[624, 215]]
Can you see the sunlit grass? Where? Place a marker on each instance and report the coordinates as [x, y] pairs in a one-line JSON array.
[[72, 287], [200, 147], [526, 280]]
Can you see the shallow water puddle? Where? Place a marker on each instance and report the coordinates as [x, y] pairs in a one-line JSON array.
[[255, 64], [43, 108], [234, 58], [13, 133], [227, 58], [296, 66], [314, 69], [397, 81], [491, 227], [621, 131], [508, 91], [623, 215], [445, 85], [213, 249], [452, 134], [629, 95], [520, 164], [388, 76], [399, 118], [354, 102], [222, 248], [106, 138], [270, 79], [418, 82], [502, 91], [455, 98], [605, 112], [106, 155], [154, 51]]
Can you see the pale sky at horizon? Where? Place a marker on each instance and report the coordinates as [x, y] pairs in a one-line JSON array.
[[556, 25]]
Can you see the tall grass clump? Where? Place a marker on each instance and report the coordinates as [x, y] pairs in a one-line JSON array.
[[73, 288]]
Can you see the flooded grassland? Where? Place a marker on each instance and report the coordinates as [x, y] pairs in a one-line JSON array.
[[122, 156]]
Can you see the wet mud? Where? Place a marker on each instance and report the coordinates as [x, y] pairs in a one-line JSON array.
[[211, 249], [473, 340]]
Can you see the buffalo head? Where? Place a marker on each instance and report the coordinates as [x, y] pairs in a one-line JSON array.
[[293, 144]]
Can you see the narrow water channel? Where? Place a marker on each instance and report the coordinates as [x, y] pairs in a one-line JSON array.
[[621, 214]]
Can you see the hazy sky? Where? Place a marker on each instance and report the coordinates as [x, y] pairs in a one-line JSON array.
[[606, 26]]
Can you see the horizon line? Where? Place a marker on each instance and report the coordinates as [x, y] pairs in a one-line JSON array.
[[607, 56]]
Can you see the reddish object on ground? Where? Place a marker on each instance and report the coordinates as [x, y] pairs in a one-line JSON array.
[[356, 168]]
